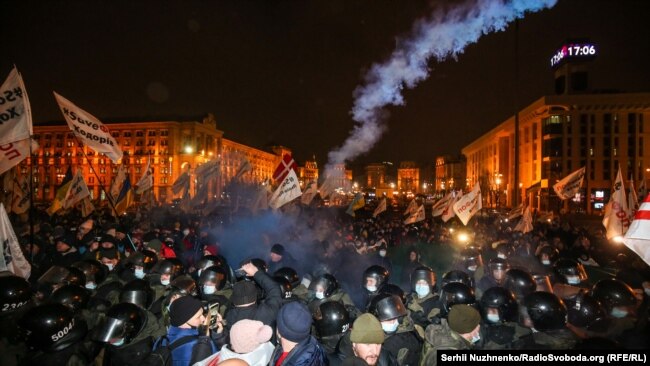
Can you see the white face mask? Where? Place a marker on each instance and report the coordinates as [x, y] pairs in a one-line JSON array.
[[646, 290], [186, 232], [371, 288], [501, 255], [118, 343], [164, 282], [110, 266], [472, 268], [91, 285], [198, 273], [390, 327], [546, 262], [320, 295], [573, 280], [493, 318], [422, 290], [619, 313], [475, 339], [382, 253], [209, 290], [139, 273]]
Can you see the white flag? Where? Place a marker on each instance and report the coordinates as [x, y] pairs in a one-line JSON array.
[[617, 220], [146, 182], [381, 207], [440, 206], [448, 211], [517, 212], [288, 190], [469, 204], [310, 192], [13, 255], [416, 216], [86, 207], [412, 208], [632, 201], [328, 187], [208, 171], [89, 129], [570, 185], [15, 112], [77, 191], [182, 183], [526, 223], [261, 201], [244, 168], [118, 182], [637, 237], [13, 153]]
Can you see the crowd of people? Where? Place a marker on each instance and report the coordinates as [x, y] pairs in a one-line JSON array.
[[314, 287]]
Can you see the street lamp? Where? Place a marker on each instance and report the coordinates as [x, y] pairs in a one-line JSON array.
[[188, 149]]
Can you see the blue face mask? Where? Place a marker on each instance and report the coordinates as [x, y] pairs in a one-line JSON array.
[[475, 339], [371, 288], [139, 273], [91, 285], [164, 282], [619, 313], [118, 343], [422, 290], [320, 295], [209, 290], [493, 318], [390, 327]]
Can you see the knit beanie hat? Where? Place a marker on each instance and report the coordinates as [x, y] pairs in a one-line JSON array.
[[367, 330], [277, 249], [244, 292], [183, 309], [294, 321], [463, 318], [155, 244], [246, 335]]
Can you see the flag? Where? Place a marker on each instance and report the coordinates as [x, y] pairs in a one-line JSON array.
[[13, 153], [77, 190], [516, 212], [125, 198], [182, 183], [632, 201], [89, 129], [16, 124], [286, 165], [381, 207], [13, 256], [412, 207], [416, 216], [469, 204], [526, 223], [86, 207], [328, 187], [211, 169], [643, 191], [20, 202], [569, 185], [61, 192], [448, 211], [440, 206], [261, 201], [146, 181], [244, 167], [310, 192], [617, 220], [637, 238], [118, 182], [357, 203], [286, 191]]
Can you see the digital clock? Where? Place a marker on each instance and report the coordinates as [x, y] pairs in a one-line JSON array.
[[574, 50]]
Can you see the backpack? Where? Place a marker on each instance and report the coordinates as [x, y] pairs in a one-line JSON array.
[[162, 356]]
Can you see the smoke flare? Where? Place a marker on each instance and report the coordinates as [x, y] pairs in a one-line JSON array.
[[445, 34]]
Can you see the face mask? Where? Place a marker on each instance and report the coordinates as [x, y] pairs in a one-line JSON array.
[[493, 318], [118, 343], [390, 327], [371, 288], [91, 285], [320, 295], [198, 273], [110, 266], [471, 268], [422, 290], [209, 290], [186, 232], [501, 255], [647, 291], [546, 262], [382, 253], [164, 282], [139, 273], [619, 313], [475, 339], [573, 280]]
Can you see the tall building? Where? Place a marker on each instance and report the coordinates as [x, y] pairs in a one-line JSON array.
[[450, 173], [408, 177], [173, 146], [376, 175], [308, 172]]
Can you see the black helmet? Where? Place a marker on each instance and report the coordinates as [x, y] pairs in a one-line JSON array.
[[456, 293], [332, 318], [586, 312], [58, 275], [184, 285], [423, 274], [170, 266], [471, 258], [15, 293], [387, 307], [52, 327], [208, 261], [379, 273], [260, 264], [94, 271], [612, 293], [498, 264], [504, 250], [545, 310], [145, 259], [392, 289], [501, 299], [73, 296], [290, 274], [327, 282], [569, 271], [137, 292], [214, 274], [547, 253], [520, 282], [457, 276], [285, 286], [123, 320], [543, 283]]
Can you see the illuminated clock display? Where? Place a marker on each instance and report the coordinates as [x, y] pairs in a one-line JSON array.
[[576, 50]]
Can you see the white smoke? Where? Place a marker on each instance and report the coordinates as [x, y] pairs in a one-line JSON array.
[[445, 34]]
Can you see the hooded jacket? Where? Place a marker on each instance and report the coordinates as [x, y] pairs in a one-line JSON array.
[[260, 356]]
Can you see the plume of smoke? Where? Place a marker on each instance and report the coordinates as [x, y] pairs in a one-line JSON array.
[[445, 34]]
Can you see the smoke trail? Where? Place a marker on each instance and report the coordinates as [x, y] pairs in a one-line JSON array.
[[445, 34]]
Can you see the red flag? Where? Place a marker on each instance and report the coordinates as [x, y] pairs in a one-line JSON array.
[[286, 164]]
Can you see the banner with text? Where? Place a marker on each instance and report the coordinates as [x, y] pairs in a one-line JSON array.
[[15, 112]]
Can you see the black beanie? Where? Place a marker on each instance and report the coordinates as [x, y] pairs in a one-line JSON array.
[[277, 249], [243, 292], [183, 309]]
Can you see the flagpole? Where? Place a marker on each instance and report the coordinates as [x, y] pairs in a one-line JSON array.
[[31, 202]]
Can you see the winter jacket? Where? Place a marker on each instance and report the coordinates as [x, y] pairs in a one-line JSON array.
[[260, 356], [182, 355], [306, 353], [266, 311], [440, 337]]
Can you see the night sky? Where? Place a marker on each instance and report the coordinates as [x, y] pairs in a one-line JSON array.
[[283, 72]]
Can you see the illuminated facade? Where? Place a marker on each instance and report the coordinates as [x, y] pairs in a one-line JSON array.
[[308, 172], [450, 173], [408, 177], [376, 176], [173, 146]]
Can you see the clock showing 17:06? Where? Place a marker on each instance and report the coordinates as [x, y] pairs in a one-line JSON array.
[[572, 51]]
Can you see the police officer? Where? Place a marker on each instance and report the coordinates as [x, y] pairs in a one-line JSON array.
[[16, 297], [332, 322], [423, 302], [495, 276], [499, 311], [213, 289], [374, 278], [620, 304], [546, 315], [326, 288]]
